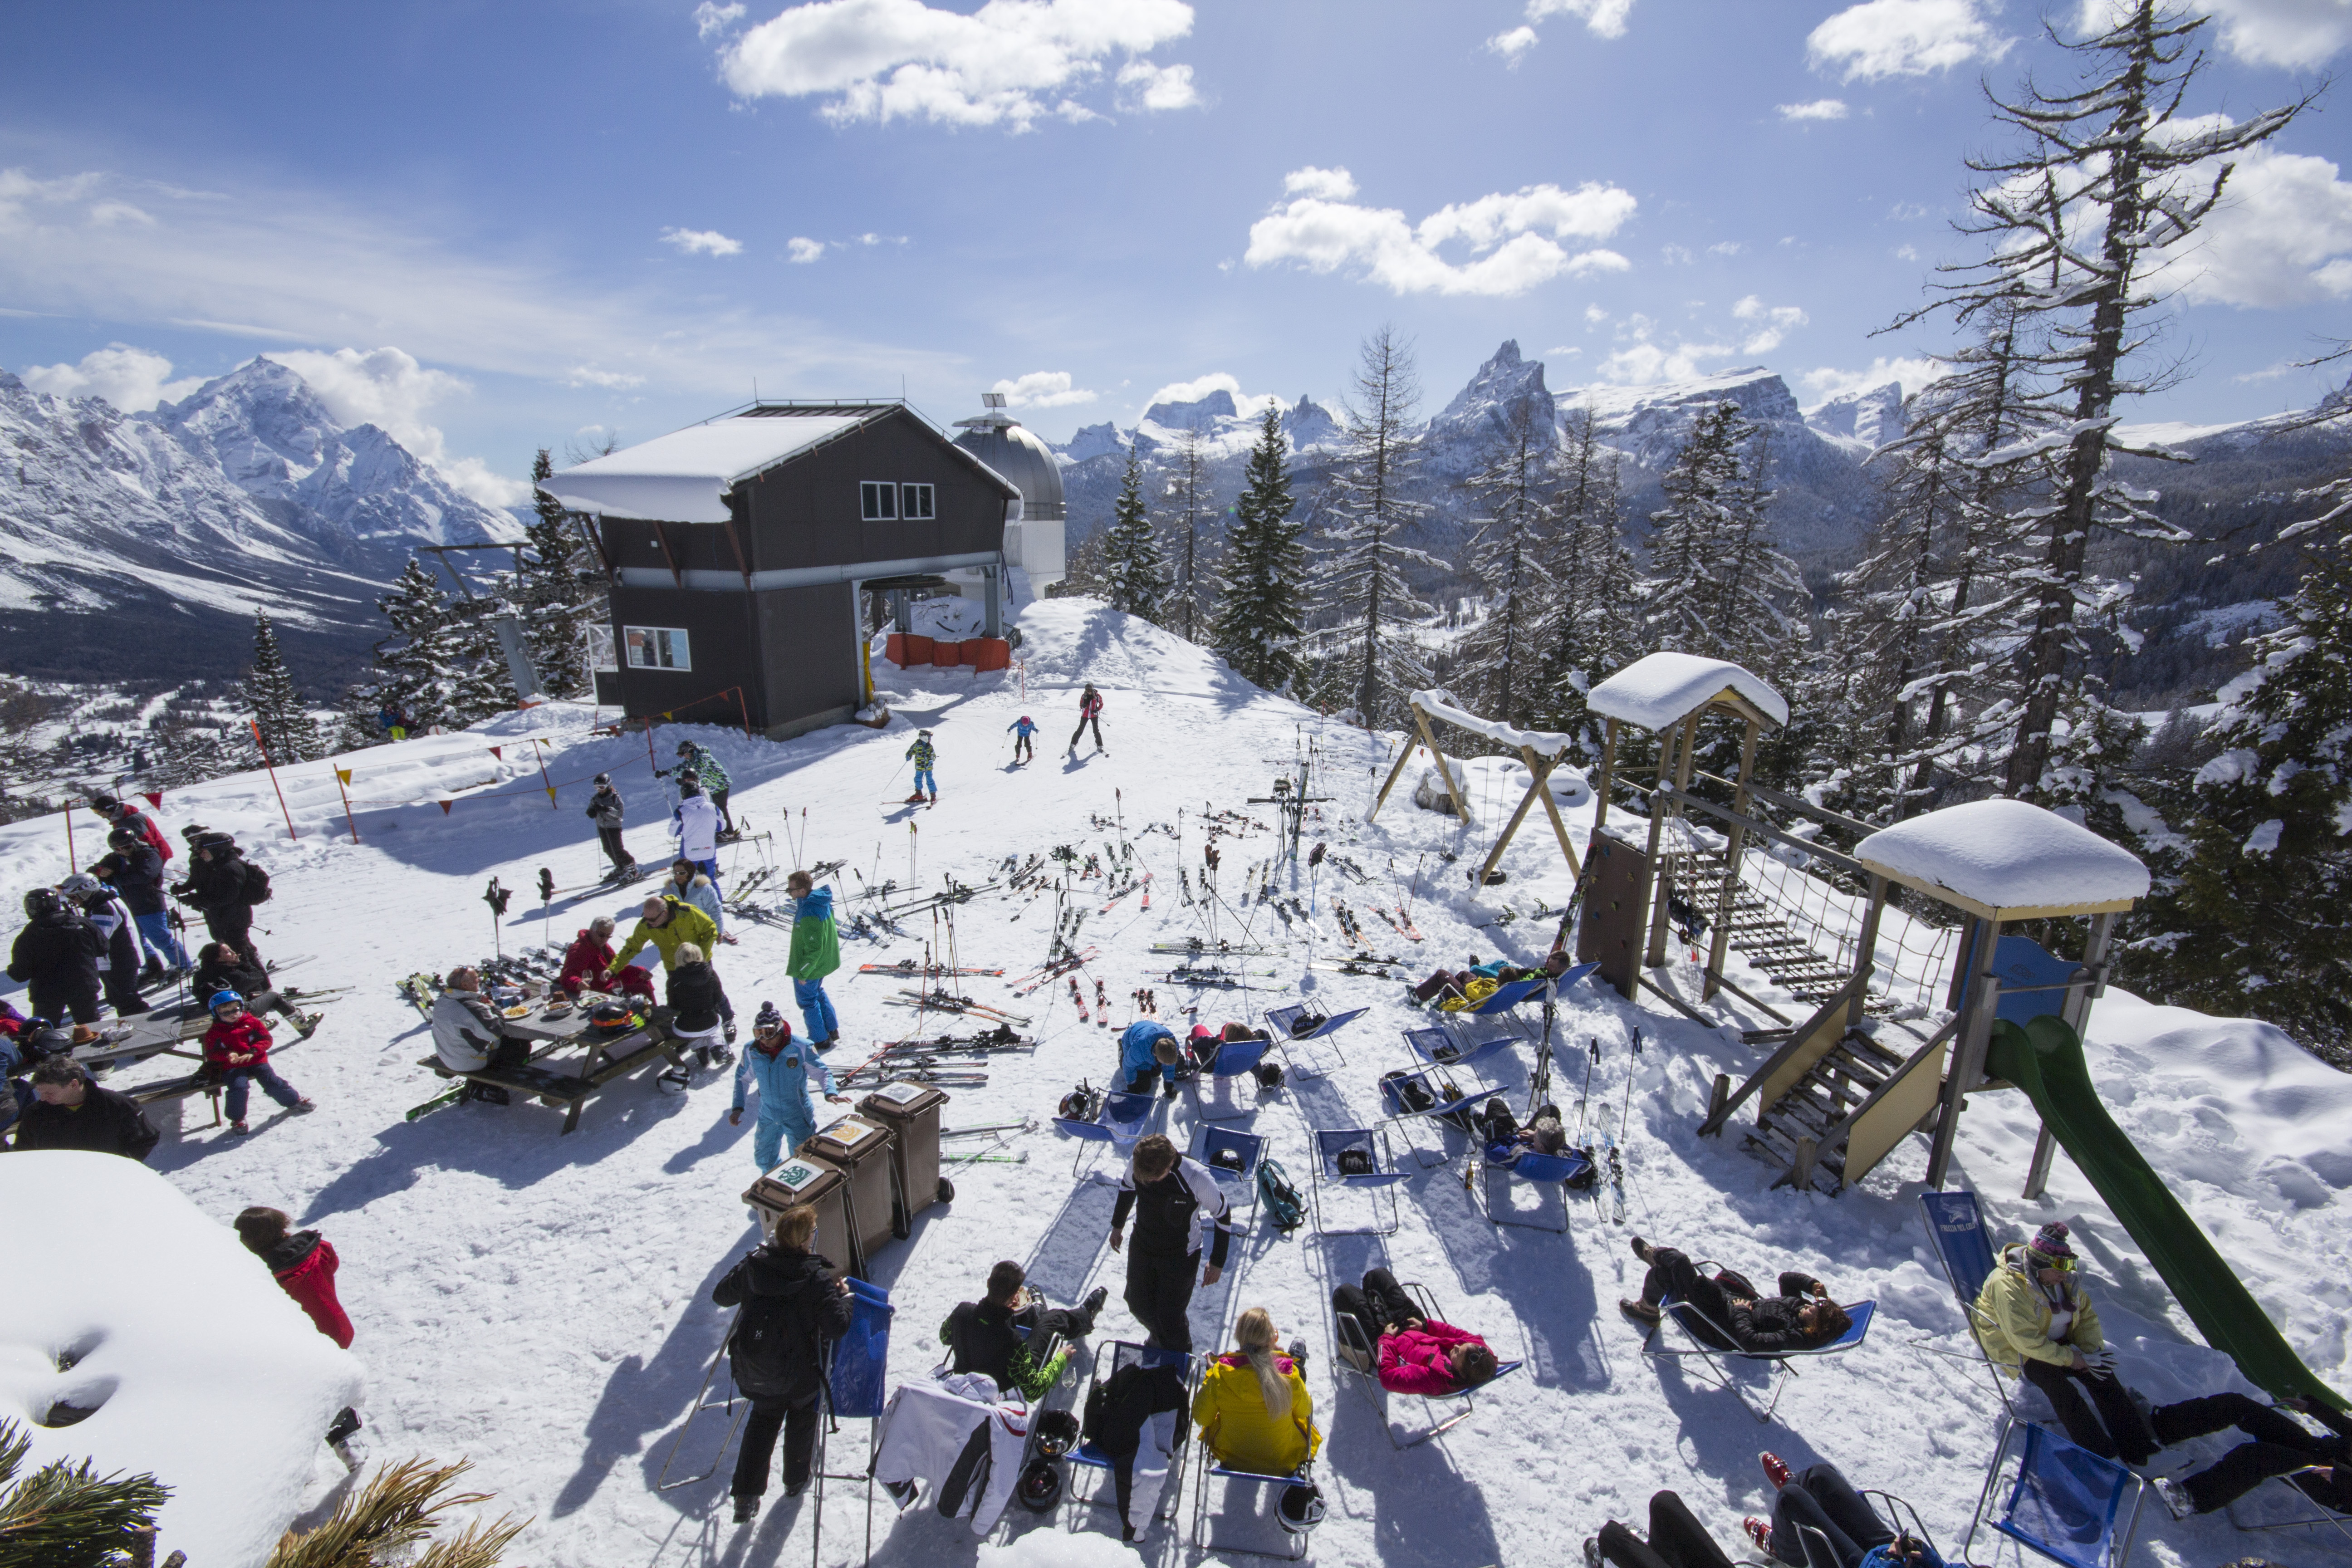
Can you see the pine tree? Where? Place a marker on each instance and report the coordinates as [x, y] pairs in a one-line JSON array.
[[558, 592], [1191, 514], [442, 663], [1361, 578], [1261, 607], [1592, 626], [286, 733], [1692, 537], [2109, 184], [1135, 572], [1508, 556], [1758, 594], [66, 1515]]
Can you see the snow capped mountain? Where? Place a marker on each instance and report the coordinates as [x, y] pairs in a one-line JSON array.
[[1861, 421], [1480, 416], [143, 544]]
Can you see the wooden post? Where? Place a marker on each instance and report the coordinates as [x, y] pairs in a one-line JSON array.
[[1541, 768], [1968, 1059], [1865, 956], [1461, 806], [1405, 755], [1655, 949], [1552, 806], [1728, 898], [1659, 805], [1608, 768]]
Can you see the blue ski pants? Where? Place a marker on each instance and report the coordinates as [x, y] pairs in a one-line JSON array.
[[819, 1024], [156, 932], [773, 1136], [924, 783]]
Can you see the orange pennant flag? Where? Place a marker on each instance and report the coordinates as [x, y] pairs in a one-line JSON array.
[[155, 798], [445, 806]]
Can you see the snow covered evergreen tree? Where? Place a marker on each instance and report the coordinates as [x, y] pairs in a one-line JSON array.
[[1262, 605], [558, 592], [1593, 626], [2109, 183], [441, 663], [1373, 658], [1501, 676], [286, 733], [1716, 587], [1135, 572], [1192, 520]]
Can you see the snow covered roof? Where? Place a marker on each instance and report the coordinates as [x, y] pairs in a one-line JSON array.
[[1440, 703], [2006, 859], [1665, 689], [684, 476]]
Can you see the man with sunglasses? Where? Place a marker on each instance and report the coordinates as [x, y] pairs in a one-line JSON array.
[[2034, 1317]]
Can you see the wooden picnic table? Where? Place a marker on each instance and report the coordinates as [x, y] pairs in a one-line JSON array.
[[609, 1057]]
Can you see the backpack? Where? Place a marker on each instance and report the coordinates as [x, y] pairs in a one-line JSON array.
[[1278, 1198], [256, 886]]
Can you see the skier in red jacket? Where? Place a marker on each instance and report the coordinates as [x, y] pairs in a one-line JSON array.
[[590, 955], [304, 1262], [238, 1047], [122, 814]]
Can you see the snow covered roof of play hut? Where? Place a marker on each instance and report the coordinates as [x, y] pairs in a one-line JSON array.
[[1665, 689], [684, 476], [2006, 859]]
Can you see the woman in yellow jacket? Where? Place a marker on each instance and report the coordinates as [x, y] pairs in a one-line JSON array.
[[2034, 1317], [1254, 1409]]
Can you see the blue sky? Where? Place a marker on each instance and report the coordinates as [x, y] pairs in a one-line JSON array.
[[492, 226]]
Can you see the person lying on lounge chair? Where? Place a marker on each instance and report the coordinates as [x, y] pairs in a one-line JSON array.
[[1800, 1316]]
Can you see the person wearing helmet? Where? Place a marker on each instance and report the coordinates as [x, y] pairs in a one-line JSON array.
[[925, 756], [780, 1070], [694, 823], [696, 758], [56, 956], [220, 967], [238, 1048], [1091, 707], [225, 887], [68, 1111], [1024, 747], [135, 871], [606, 809], [122, 814], [118, 964]]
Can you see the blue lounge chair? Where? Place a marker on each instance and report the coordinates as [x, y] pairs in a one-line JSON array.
[[1686, 1316], [1212, 1471], [1439, 1047], [1350, 1336], [1330, 1142], [1123, 1121], [1087, 1457], [1235, 1058], [1446, 1098], [1249, 1148], [2065, 1502], [1543, 1170], [1964, 1247]]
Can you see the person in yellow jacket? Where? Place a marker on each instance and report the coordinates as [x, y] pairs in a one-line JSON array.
[[1254, 1409], [668, 924], [2034, 1317]]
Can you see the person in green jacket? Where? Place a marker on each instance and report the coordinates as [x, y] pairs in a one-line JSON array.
[[2034, 1317], [667, 924], [816, 952]]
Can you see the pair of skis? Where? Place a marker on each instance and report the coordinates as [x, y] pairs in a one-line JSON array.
[[908, 969]]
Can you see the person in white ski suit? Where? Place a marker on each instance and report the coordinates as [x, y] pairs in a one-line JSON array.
[[695, 825]]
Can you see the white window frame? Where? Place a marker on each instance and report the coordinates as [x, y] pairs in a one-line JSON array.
[[667, 646], [912, 496], [875, 494]]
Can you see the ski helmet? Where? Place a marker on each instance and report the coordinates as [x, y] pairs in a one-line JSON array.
[[687, 748], [81, 885], [1302, 1509], [604, 778], [47, 1041], [1040, 1487], [223, 998], [42, 902]]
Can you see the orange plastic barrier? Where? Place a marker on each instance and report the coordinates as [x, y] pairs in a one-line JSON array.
[[946, 655]]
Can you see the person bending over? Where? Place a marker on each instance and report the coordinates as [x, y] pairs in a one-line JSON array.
[[1013, 1336], [2034, 1319], [1413, 1354], [1146, 1050], [1732, 1314], [1173, 1200]]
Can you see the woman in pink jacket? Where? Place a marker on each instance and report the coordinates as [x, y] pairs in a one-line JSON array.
[[1416, 1355]]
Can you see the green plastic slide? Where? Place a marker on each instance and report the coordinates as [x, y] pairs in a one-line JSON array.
[[2044, 1058]]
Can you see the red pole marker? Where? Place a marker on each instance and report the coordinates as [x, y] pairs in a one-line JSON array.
[[254, 726]]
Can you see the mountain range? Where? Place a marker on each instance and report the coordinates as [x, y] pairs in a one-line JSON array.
[[142, 544]]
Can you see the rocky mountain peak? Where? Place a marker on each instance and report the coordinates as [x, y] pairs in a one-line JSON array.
[[1484, 412], [1869, 418], [1201, 414]]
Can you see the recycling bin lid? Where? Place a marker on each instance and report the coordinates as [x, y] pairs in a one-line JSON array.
[[851, 1137], [903, 1100]]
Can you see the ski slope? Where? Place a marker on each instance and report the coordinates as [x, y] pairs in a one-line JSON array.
[[539, 1304]]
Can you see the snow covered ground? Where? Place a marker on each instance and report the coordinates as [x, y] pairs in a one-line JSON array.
[[540, 1303]]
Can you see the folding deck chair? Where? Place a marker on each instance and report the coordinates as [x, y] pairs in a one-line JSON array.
[[1447, 1098], [1085, 1456], [1235, 1058], [1350, 1334], [1683, 1314], [1250, 1148], [1439, 1048], [1538, 1169], [2064, 1502], [1280, 1020], [1964, 1246], [1330, 1142], [1211, 1470], [1122, 1122]]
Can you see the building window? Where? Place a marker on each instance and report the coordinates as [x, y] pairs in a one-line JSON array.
[[915, 503], [878, 503], [599, 648], [656, 648]]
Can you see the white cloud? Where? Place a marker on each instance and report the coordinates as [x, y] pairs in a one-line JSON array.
[[1725, 248], [1907, 211], [1043, 389], [1503, 230], [2282, 236], [2289, 32], [1773, 323], [702, 241], [804, 251], [130, 379], [1676, 255], [388, 389], [612, 380], [1007, 63], [1904, 38], [1196, 389], [1156, 88], [1645, 364], [1819, 108], [710, 19], [1906, 253], [1563, 351], [1602, 18], [1828, 382], [1512, 46], [1330, 185], [1594, 315]]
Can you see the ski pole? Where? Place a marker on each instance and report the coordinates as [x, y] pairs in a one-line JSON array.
[[1585, 1094]]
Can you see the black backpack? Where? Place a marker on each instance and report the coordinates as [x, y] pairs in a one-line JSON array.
[[255, 887], [767, 1352]]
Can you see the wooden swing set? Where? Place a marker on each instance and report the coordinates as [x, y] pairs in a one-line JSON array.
[[1540, 749]]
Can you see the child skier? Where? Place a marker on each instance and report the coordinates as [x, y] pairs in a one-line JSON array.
[[695, 825], [923, 755], [695, 759], [816, 954], [238, 1046], [1022, 728], [1090, 706], [606, 809], [781, 1070]]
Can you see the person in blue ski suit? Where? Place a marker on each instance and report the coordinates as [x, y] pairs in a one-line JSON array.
[[923, 755], [1145, 1049], [781, 1070], [1023, 751]]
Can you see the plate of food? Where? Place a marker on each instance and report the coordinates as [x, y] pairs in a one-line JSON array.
[[518, 1012], [556, 1010]]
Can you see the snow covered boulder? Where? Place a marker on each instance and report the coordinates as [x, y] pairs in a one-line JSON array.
[[1429, 790], [125, 1302]]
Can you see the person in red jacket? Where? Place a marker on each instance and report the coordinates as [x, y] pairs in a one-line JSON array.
[[1415, 1355], [590, 954], [304, 1263], [122, 814], [238, 1047]]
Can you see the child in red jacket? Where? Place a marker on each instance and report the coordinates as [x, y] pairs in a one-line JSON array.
[[238, 1046], [304, 1262]]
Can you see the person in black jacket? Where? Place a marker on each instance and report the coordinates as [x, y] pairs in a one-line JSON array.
[[1011, 1336], [136, 871], [224, 887], [701, 1013], [118, 964], [68, 1111], [220, 967], [793, 1304], [606, 809], [56, 957], [1174, 1200], [1800, 1317]]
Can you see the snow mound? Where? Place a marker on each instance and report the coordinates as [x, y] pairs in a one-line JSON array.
[[1663, 688], [201, 1371], [2007, 854], [1067, 642]]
